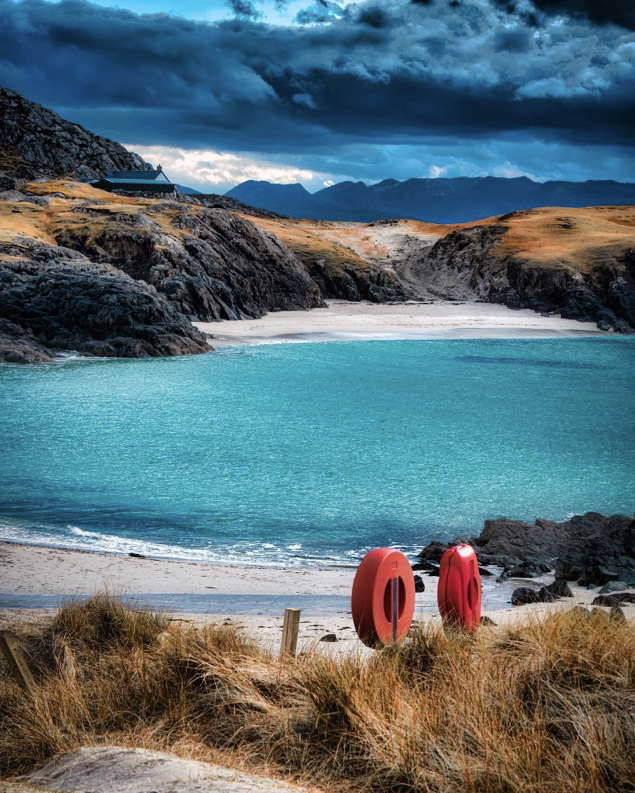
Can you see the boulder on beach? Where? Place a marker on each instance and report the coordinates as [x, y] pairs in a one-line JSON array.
[[590, 548]]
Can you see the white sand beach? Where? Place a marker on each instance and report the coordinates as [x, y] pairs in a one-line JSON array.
[[346, 321], [257, 596]]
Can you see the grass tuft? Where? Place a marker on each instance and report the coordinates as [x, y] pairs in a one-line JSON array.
[[548, 705]]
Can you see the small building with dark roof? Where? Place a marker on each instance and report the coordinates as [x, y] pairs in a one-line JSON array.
[[151, 182]]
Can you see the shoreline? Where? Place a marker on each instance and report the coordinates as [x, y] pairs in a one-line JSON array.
[[346, 321], [37, 580]]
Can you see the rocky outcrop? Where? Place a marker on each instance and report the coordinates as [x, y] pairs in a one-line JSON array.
[[466, 265], [605, 295], [341, 282], [590, 548], [458, 266], [54, 299], [36, 142], [210, 264], [19, 345]]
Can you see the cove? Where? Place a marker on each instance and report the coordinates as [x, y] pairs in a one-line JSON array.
[[310, 454]]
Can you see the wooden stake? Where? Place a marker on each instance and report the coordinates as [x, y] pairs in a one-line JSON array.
[[16, 661], [290, 630]]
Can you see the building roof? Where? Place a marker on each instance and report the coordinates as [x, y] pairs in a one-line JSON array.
[[114, 180], [136, 176]]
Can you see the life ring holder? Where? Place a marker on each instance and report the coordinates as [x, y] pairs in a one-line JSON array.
[[459, 590], [383, 597]]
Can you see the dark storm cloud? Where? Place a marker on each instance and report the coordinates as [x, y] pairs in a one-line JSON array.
[[618, 12], [244, 8], [403, 73]]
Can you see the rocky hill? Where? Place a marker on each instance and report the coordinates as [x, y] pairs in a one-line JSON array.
[[103, 274], [36, 142], [579, 263]]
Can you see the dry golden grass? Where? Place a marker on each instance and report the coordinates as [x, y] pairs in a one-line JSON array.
[[546, 706], [312, 240], [571, 238], [23, 219], [71, 189], [83, 211], [546, 237]]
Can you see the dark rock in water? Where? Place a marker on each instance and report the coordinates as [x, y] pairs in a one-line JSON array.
[[613, 586], [485, 572], [329, 637], [559, 588], [419, 585], [524, 595], [433, 551], [487, 621], [615, 599], [588, 548], [427, 567], [67, 302], [19, 345]]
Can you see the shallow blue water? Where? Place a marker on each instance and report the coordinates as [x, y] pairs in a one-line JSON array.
[[304, 453]]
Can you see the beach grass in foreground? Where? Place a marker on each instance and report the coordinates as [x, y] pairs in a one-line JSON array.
[[545, 705]]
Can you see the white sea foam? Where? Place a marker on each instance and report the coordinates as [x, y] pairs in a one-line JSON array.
[[256, 554]]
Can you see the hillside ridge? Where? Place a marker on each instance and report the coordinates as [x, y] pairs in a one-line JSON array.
[[439, 200]]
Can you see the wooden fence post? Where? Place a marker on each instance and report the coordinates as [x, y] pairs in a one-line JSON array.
[[16, 661], [290, 630]]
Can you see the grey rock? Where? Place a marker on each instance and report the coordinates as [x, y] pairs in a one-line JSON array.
[[208, 263], [419, 584], [614, 599], [329, 637], [63, 301], [485, 620], [589, 548], [613, 586], [36, 142], [111, 768], [559, 588]]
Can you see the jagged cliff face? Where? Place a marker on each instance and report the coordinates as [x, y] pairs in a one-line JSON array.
[[107, 275], [209, 264], [52, 298], [36, 142]]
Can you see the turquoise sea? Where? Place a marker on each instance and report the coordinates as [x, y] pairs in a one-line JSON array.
[[304, 454]]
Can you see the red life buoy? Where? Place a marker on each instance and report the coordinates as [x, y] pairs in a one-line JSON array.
[[459, 590], [383, 598]]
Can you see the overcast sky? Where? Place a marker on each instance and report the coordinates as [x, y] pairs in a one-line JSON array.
[[317, 91]]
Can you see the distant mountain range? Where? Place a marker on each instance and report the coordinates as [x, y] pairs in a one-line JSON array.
[[457, 200]]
